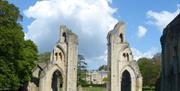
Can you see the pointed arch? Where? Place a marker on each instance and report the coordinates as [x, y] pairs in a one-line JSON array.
[[57, 81], [132, 74], [126, 81], [121, 37], [46, 78]]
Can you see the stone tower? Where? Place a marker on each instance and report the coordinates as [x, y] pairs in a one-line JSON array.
[[124, 74], [61, 70]]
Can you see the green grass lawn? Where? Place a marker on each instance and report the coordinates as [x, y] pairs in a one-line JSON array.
[[104, 89], [147, 88], [94, 89]]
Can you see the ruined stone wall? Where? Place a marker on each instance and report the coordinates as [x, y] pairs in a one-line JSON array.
[[64, 60], [170, 42], [120, 59]]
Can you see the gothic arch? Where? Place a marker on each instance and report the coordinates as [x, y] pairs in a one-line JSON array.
[[120, 59], [130, 70], [57, 81], [63, 60], [132, 74], [46, 78], [126, 81]]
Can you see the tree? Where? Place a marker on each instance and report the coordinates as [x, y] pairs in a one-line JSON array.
[[145, 68], [44, 57], [105, 79], [103, 68], [81, 71], [150, 69], [17, 55]]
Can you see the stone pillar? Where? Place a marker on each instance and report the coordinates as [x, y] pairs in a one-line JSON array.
[[119, 58], [72, 58], [139, 85]]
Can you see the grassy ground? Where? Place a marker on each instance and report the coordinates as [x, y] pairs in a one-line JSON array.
[[104, 89], [147, 88], [93, 89]]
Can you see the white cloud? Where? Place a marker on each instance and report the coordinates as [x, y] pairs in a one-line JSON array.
[[102, 57], [90, 19], [161, 19], [141, 31], [95, 62], [148, 54]]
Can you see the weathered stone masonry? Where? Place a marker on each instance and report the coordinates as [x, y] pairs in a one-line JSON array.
[[64, 60], [170, 42], [124, 74]]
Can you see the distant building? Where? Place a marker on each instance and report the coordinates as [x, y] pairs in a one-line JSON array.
[[96, 77]]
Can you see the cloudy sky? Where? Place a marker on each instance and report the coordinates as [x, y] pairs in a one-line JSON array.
[[92, 19]]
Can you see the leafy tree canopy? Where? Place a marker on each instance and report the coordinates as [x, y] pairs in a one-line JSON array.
[[150, 69], [103, 68], [17, 55]]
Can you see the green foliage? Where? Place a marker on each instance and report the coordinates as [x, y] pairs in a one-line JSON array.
[[103, 68], [44, 57], [17, 55], [82, 70], [150, 69], [105, 79]]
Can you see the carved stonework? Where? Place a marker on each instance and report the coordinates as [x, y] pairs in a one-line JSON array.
[[124, 74], [61, 70]]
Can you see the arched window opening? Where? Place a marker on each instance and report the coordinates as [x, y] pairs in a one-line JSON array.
[[57, 81], [126, 81], [127, 56], [60, 55], [121, 37], [56, 54], [124, 55], [64, 36]]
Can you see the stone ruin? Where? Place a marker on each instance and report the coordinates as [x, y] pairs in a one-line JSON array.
[[124, 73], [170, 42], [61, 71]]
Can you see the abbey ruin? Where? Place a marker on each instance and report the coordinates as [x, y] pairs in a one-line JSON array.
[[37, 53], [124, 74], [170, 42], [60, 74]]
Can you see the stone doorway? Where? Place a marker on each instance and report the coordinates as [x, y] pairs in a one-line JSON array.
[[57, 81], [126, 81]]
